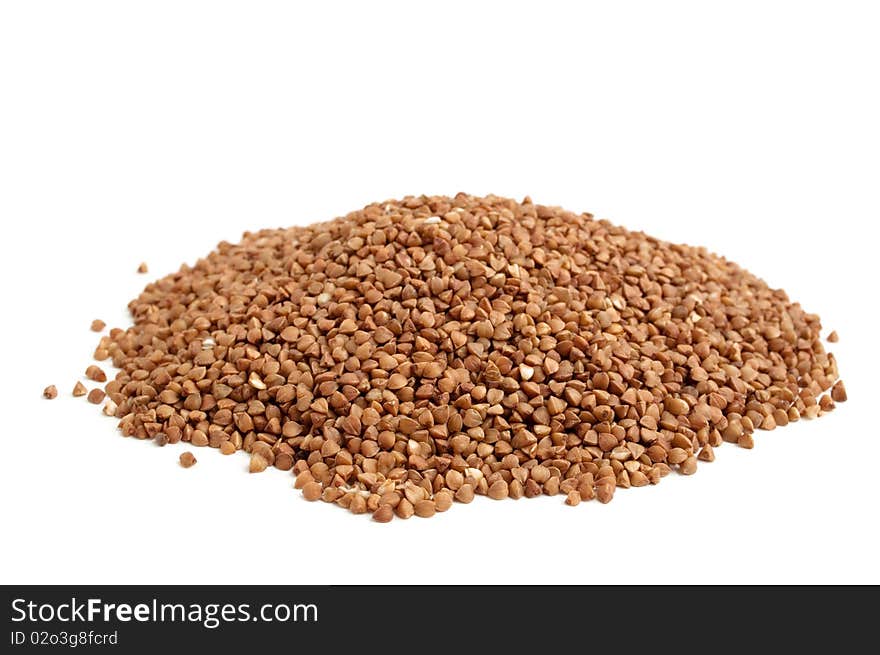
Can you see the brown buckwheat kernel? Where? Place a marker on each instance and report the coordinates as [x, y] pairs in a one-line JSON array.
[[383, 514], [95, 373], [258, 463], [312, 491]]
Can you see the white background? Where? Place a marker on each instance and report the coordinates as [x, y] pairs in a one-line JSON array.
[[137, 132]]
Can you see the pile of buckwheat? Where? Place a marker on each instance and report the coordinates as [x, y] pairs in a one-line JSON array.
[[424, 351]]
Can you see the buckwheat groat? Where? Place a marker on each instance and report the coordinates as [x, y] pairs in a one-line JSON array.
[[431, 349]]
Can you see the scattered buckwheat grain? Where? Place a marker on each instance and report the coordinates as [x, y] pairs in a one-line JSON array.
[[98, 325], [79, 389], [431, 349], [187, 459], [95, 373], [96, 396], [50, 392]]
